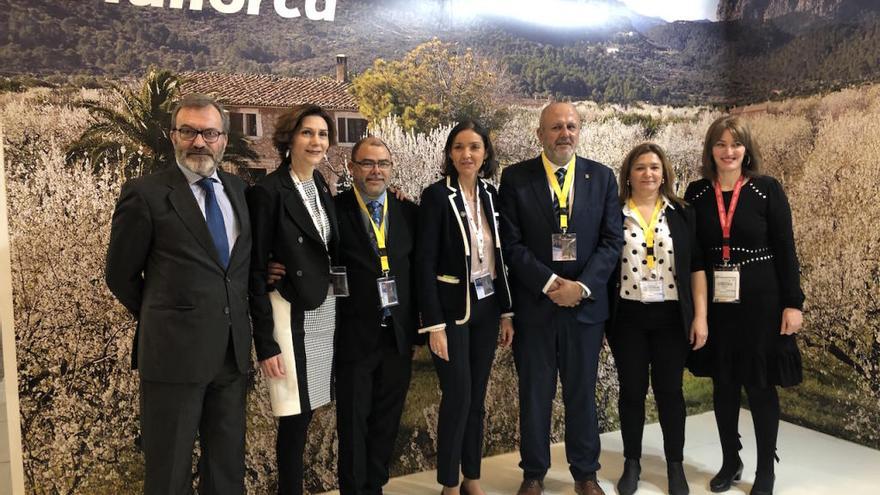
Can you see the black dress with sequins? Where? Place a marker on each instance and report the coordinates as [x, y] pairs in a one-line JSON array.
[[745, 346]]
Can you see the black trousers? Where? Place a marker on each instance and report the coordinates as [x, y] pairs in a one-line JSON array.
[[463, 381], [290, 445], [172, 414], [648, 340], [764, 406], [370, 394], [570, 348]]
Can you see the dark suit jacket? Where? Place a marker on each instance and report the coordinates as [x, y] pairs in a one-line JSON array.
[[284, 232], [163, 267], [443, 257], [688, 257], [359, 315], [528, 221]]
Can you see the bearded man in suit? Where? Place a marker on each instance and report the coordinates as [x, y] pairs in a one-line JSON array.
[[178, 260], [560, 228]]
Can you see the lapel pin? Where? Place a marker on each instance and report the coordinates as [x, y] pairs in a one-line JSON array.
[[587, 176]]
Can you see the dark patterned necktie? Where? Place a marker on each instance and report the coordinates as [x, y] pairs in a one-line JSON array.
[[214, 218], [375, 208], [560, 178]]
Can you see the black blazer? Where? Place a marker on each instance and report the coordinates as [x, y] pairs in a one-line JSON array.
[[443, 258], [688, 255], [284, 232], [528, 221], [358, 330], [163, 267]]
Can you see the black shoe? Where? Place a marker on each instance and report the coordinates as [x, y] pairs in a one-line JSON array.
[[629, 480], [729, 473], [678, 484], [763, 484]]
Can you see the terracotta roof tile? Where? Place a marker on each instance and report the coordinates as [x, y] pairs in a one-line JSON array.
[[266, 90]]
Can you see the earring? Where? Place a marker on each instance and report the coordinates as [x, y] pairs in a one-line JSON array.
[[627, 181], [747, 161]]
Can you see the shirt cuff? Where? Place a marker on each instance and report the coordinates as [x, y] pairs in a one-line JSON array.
[[432, 329], [586, 290], [553, 278], [507, 315]]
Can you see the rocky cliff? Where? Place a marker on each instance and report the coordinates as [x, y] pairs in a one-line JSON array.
[[764, 10]]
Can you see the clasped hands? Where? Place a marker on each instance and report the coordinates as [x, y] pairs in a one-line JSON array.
[[565, 293]]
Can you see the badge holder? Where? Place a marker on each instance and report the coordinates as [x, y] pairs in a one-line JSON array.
[[338, 282], [387, 292], [483, 285], [651, 291], [726, 284], [564, 247]]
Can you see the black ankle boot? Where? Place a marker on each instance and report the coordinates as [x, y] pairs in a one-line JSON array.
[[731, 470], [678, 484], [629, 480], [763, 483]]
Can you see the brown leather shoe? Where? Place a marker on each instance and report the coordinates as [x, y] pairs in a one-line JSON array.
[[531, 487], [588, 487]]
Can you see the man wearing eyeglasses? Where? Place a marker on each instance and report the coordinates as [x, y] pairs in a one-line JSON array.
[[178, 260], [377, 325]]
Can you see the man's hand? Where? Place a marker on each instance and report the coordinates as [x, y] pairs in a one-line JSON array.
[[273, 367], [276, 272], [567, 294]]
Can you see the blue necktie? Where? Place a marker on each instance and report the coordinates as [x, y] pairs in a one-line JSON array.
[[214, 217], [375, 208]]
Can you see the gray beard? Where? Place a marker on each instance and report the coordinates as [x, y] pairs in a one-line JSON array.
[[205, 168]]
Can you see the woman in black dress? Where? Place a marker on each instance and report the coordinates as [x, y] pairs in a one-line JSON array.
[[744, 227], [463, 297], [658, 309]]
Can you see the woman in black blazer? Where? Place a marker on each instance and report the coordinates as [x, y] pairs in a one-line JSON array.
[[463, 293], [658, 309], [294, 224]]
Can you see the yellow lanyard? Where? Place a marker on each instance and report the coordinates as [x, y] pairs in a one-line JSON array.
[[379, 230], [560, 192], [648, 229]]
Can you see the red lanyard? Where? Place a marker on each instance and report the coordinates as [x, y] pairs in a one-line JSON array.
[[725, 218]]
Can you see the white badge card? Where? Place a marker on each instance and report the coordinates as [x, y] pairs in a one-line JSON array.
[[726, 284], [651, 291], [483, 285], [338, 281], [387, 292], [564, 247]]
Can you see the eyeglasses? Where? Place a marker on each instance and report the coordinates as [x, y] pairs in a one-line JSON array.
[[189, 134], [369, 164]]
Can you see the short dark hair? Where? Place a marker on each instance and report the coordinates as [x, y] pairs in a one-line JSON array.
[[290, 121], [666, 189], [199, 100], [490, 164], [368, 141], [752, 161]]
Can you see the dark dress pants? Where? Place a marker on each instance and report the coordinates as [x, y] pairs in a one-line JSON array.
[[463, 381], [370, 394], [571, 349], [648, 340], [172, 414]]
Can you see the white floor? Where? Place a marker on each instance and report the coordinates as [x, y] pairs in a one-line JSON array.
[[811, 464]]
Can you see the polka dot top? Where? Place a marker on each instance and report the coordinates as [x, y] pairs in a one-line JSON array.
[[634, 262]]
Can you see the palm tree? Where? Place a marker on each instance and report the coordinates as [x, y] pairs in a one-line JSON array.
[[136, 130]]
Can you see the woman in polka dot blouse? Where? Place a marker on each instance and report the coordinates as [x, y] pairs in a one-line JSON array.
[[658, 309]]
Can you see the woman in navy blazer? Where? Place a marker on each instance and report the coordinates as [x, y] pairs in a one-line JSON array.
[[463, 297], [658, 309]]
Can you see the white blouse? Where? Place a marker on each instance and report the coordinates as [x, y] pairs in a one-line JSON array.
[[634, 262]]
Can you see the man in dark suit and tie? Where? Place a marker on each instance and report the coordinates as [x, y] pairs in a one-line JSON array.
[[178, 260], [374, 344], [562, 238]]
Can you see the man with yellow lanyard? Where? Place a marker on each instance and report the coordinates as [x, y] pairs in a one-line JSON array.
[[560, 228], [377, 324]]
